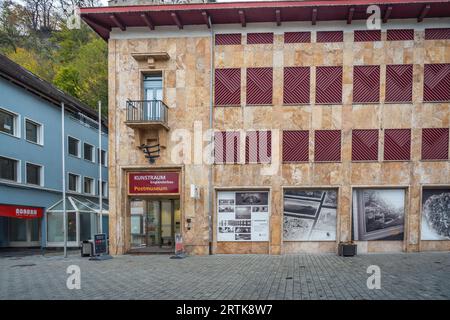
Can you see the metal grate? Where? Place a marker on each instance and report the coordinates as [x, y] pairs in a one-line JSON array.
[[226, 147], [259, 86], [228, 39], [365, 145], [329, 85], [399, 83], [330, 36], [397, 144], [227, 87], [327, 145], [367, 35], [436, 82], [400, 34], [437, 34], [295, 146], [366, 84], [296, 85], [260, 38], [258, 147], [297, 37], [435, 143]]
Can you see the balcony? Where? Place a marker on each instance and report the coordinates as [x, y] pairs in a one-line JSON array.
[[147, 114]]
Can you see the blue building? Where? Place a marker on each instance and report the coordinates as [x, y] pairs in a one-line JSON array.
[[31, 212]]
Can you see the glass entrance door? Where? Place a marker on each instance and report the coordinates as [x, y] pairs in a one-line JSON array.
[[153, 92], [24, 232]]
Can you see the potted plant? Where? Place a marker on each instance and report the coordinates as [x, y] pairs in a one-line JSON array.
[[347, 249]]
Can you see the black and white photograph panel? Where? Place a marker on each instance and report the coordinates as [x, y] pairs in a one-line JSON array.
[[226, 202], [378, 214], [260, 209], [252, 198], [226, 208], [243, 212], [243, 236], [300, 208], [435, 224], [226, 229]]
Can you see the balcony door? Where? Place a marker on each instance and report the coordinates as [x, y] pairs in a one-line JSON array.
[[153, 94]]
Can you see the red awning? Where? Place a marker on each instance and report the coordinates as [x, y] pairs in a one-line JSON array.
[[21, 212]]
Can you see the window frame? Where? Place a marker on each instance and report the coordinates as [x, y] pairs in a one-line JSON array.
[[41, 174], [78, 185], [92, 152], [78, 148], [99, 157], [40, 132], [93, 191], [17, 124], [18, 170]]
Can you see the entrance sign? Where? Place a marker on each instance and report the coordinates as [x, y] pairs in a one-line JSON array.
[[100, 244], [243, 216], [21, 212], [148, 183]]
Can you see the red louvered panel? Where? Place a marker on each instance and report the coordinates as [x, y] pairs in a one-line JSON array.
[[330, 36], [259, 85], [258, 147], [327, 145], [260, 38], [226, 147], [296, 85], [367, 35], [297, 37], [228, 39], [399, 83], [437, 34], [400, 34], [365, 145], [436, 83], [435, 144], [295, 146], [227, 87], [329, 85], [366, 84], [397, 144]]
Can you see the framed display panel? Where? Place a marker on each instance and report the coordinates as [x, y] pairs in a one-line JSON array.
[[148, 183], [435, 224]]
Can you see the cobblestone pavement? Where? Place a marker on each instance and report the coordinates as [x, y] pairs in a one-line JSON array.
[[304, 276]]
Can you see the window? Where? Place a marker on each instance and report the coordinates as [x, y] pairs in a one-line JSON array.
[[400, 35], [260, 38], [34, 174], [228, 39], [9, 123], [295, 146], [329, 85], [74, 147], [104, 189], [33, 132], [88, 186], [399, 83], [297, 37], [436, 82], [330, 36], [88, 151], [367, 35], [397, 144], [227, 91], [365, 145], [102, 157], [296, 85], [9, 169], [74, 182], [226, 147], [258, 147], [435, 143], [259, 86], [366, 84], [327, 145]]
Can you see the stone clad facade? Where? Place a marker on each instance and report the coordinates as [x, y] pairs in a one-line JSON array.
[[186, 91]]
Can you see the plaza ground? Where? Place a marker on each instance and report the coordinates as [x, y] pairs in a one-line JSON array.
[[302, 276]]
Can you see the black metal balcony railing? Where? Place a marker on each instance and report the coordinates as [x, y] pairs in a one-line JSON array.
[[147, 111]]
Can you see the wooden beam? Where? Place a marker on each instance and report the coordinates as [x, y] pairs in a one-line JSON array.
[[278, 17], [314, 16], [117, 22], [423, 13], [176, 19], [96, 24], [387, 14], [206, 19], [242, 18], [351, 11], [148, 21]]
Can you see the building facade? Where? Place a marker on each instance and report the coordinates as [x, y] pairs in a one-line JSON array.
[[321, 130], [31, 163]]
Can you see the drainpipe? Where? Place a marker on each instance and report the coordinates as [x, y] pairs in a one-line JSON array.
[[210, 177]]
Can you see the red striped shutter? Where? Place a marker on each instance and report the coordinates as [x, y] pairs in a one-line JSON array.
[[259, 86], [435, 144], [437, 34], [227, 87], [296, 146], [327, 145], [436, 83], [400, 34], [228, 39], [367, 35], [297, 37], [328, 85], [397, 144], [366, 84], [399, 83], [365, 145], [258, 147], [226, 147], [330, 36], [260, 38], [296, 85]]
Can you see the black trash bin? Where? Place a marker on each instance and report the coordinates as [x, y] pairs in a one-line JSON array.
[[86, 248]]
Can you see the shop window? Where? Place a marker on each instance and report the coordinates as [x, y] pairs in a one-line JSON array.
[[400, 34], [367, 35], [9, 123], [9, 169], [34, 174], [397, 144], [88, 152], [399, 83], [365, 145], [329, 85], [55, 227], [297, 37], [74, 182], [366, 84], [296, 85], [260, 38], [436, 82], [437, 34], [85, 226], [258, 147], [330, 36], [327, 145], [226, 147], [295, 146], [259, 86], [74, 146], [228, 39], [435, 143], [88, 185], [33, 132], [227, 87]]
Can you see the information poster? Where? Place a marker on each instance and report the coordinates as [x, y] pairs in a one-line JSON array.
[[243, 216]]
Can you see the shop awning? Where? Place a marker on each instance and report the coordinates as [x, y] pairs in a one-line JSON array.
[[21, 212], [79, 204]]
